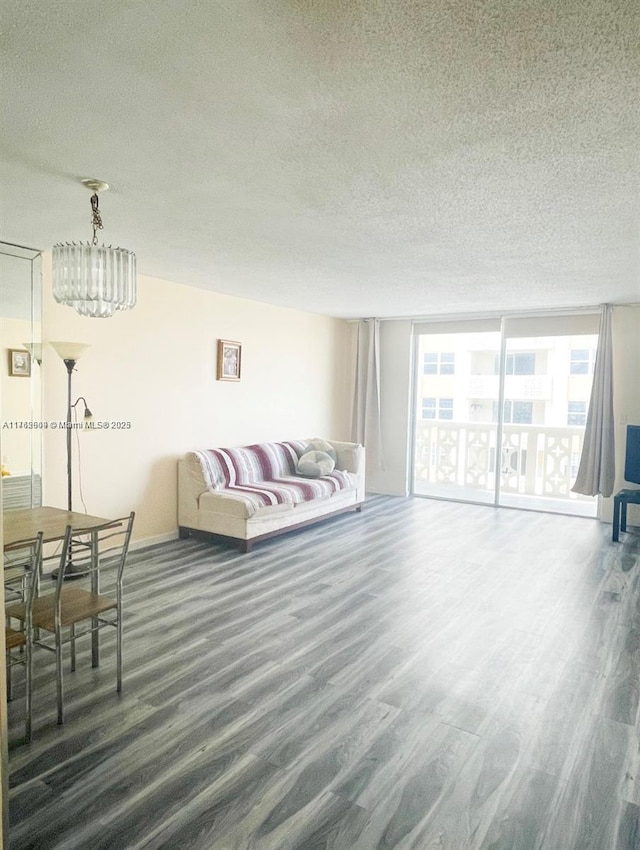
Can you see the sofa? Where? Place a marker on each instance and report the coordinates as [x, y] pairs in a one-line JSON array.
[[250, 493]]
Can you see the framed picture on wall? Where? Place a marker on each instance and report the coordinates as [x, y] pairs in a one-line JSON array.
[[229, 360], [19, 363]]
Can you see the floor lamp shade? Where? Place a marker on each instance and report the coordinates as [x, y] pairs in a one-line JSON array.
[[69, 350]]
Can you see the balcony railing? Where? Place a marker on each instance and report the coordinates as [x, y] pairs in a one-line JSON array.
[[524, 387], [535, 460]]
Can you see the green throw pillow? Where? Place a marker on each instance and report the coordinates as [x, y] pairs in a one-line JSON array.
[[315, 464], [320, 445]]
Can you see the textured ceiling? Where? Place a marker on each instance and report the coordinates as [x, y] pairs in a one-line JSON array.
[[349, 157]]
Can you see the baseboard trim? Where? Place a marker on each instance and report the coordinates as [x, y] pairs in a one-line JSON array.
[[153, 541]]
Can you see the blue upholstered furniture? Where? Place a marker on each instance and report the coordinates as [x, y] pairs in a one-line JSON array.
[[620, 502]]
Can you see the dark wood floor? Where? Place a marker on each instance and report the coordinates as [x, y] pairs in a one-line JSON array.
[[423, 675]]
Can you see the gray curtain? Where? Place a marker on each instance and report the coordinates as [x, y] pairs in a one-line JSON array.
[[597, 470], [365, 423]]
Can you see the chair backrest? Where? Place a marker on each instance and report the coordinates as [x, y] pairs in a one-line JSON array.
[[94, 549], [22, 568]]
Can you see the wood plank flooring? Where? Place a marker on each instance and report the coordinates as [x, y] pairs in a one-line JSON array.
[[421, 676]]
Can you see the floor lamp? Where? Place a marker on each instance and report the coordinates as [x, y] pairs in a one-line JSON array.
[[70, 353]]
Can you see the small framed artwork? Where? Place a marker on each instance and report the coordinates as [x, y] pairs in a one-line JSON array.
[[19, 363], [229, 359]]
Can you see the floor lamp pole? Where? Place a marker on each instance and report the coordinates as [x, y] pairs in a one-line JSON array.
[[70, 364], [70, 573], [69, 352]]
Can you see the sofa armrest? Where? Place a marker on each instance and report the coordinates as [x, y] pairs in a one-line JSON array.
[[352, 458], [191, 485]]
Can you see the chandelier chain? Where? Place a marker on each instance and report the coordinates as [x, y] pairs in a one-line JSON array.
[[96, 218]]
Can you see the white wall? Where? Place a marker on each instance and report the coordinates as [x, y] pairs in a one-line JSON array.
[[155, 367], [626, 395]]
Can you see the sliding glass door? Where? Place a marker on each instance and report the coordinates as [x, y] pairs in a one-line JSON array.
[[455, 429], [547, 385], [522, 385]]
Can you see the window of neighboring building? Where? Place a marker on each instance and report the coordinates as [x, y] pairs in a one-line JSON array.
[[521, 412], [439, 363], [520, 363], [577, 413], [447, 363], [445, 408], [430, 365], [428, 408], [515, 412], [582, 360], [437, 408]]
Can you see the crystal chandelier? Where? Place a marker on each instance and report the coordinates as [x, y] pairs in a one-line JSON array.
[[96, 280]]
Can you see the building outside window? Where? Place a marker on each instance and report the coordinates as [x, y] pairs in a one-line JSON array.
[[520, 363], [439, 363], [582, 361], [437, 408], [445, 408], [516, 363], [577, 413], [515, 412]]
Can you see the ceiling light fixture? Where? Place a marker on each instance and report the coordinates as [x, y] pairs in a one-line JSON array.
[[96, 280]]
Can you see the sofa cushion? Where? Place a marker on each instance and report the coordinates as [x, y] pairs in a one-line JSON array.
[[239, 505], [247, 499], [314, 464]]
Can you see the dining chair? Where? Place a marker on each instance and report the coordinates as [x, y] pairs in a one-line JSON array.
[[99, 554], [18, 558], [22, 567]]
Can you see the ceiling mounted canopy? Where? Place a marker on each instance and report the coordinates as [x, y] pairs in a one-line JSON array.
[[96, 280]]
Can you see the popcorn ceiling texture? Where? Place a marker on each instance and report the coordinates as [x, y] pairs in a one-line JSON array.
[[370, 157]]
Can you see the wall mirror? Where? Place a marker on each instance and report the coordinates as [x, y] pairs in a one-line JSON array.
[[20, 376]]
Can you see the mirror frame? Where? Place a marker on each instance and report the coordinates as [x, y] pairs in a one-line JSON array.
[[34, 488], [26, 490]]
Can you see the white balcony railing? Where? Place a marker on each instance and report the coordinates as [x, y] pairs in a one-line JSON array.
[[524, 387], [535, 460]]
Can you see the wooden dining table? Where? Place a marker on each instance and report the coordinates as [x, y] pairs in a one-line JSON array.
[[24, 523]]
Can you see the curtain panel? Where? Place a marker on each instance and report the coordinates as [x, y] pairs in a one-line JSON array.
[[365, 423], [597, 469]]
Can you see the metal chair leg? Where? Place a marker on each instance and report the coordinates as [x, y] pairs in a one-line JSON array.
[[72, 635], [95, 643], [28, 687], [119, 651], [59, 677]]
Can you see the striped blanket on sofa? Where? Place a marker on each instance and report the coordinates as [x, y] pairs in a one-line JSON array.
[[265, 474]]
